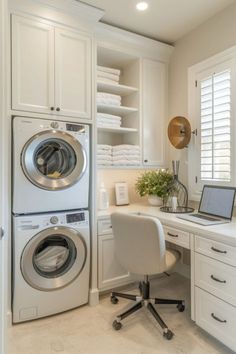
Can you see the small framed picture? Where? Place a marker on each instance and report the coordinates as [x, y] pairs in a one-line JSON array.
[[122, 195]]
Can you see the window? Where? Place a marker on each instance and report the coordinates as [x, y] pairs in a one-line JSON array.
[[212, 150], [215, 127]]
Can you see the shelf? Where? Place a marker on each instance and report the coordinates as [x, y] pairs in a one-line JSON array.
[[115, 89], [117, 130], [116, 110]]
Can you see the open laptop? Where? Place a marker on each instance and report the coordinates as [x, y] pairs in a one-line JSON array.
[[216, 206]]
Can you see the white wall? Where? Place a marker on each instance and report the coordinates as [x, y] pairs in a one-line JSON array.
[[110, 177], [214, 36]]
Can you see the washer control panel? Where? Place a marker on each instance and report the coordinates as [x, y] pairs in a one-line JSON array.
[[54, 220], [55, 125], [74, 219]]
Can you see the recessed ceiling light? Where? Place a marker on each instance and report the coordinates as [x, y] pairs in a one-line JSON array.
[[141, 6]]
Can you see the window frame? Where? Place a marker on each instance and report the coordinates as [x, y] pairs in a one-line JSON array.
[[218, 63]]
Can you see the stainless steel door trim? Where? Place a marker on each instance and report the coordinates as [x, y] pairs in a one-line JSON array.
[[33, 174], [34, 279]]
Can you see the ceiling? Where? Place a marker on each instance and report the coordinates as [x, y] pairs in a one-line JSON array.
[[164, 20]]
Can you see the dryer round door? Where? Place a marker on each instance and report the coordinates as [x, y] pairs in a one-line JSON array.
[[53, 160], [53, 258]]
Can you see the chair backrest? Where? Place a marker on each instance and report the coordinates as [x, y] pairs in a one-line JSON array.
[[139, 243]]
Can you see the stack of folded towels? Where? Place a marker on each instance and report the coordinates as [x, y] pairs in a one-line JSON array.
[[108, 120], [108, 98], [109, 75], [104, 155], [124, 155]]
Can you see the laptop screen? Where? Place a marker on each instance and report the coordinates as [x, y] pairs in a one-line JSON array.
[[217, 201]]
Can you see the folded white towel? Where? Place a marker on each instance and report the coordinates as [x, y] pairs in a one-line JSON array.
[[126, 163], [103, 152], [107, 101], [102, 74], [108, 120], [108, 95], [104, 146], [126, 153], [128, 158], [108, 70], [107, 81], [126, 147], [107, 125], [104, 158], [106, 115], [104, 163]]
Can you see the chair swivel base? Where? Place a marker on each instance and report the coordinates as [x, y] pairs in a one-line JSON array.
[[144, 300]]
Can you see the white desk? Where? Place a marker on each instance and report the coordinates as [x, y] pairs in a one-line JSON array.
[[213, 266]]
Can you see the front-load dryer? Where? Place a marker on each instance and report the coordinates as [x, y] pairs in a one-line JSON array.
[[51, 261], [50, 165]]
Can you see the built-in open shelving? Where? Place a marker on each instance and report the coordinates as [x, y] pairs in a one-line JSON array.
[[116, 110], [115, 89], [118, 130], [128, 88]]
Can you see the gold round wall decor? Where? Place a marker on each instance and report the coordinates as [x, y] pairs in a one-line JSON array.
[[179, 132]]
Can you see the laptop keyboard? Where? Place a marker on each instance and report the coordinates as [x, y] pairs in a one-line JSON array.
[[205, 217]]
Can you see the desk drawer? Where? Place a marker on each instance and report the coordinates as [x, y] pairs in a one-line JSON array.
[[176, 236], [216, 250], [216, 317], [216, 277], [104, 226]]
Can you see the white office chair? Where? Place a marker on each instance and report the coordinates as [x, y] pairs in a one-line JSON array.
[[140, 248]]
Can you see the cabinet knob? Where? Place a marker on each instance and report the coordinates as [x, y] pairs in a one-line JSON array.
[[145, 160], [57, 109], [52, 108]]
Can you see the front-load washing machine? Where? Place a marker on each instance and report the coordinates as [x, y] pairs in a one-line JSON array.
[[51, 262], [50, 165]]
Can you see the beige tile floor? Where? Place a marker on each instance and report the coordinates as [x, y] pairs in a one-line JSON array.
[[87, 330]]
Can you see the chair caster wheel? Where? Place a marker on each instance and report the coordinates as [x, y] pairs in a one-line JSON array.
[[181, 307], [168, 335], [114, 300], [116, 325]]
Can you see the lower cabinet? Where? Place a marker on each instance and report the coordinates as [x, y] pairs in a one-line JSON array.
[[217, 317], [215, 290], [110, 273]]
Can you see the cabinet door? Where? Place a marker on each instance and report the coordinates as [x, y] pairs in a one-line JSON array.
[[153, 112], [32, 65], [73, 85], [110, 272]]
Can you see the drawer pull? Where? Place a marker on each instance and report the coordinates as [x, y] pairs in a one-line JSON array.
[[110, 226], [216, 279], [172, 235], [217, 318], [216, 250]]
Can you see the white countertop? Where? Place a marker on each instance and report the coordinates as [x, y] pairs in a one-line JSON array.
[[225, 233]]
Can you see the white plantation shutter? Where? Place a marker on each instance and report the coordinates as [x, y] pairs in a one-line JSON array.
[[215, 126]]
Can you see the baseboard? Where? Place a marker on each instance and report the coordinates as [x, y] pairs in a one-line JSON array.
[[93, 297]]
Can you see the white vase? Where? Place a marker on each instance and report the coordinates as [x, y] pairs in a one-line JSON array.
[[155, 200]]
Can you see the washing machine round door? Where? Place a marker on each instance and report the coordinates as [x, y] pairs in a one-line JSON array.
[[53, 258], [53, 160]]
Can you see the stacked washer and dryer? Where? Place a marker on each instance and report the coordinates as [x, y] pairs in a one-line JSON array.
[[51, 233]]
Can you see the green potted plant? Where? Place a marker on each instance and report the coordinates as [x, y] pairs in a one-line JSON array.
[[156, 185]]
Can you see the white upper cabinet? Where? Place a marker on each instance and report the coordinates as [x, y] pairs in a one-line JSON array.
[[153, 112], [32, 65], [51, 69], [73, 74]]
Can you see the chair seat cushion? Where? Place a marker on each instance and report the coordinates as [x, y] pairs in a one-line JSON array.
[[172, 258]]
